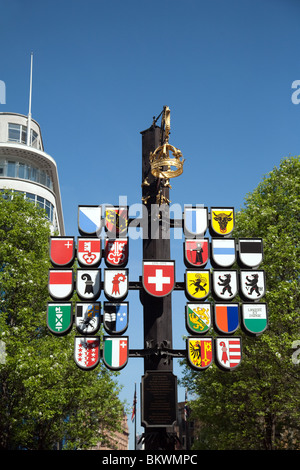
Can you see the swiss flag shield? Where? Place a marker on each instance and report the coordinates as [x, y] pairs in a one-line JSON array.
[[62, 251], [158, 277]]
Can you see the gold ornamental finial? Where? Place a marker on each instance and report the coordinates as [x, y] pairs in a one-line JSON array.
[[163, 165]]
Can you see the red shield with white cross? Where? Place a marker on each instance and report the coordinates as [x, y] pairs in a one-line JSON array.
[[62, 251], [158, 277]]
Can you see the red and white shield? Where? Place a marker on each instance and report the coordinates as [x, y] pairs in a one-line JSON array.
[[196, 251], [61, 284], [158, 277], [62, 251], [88, 251], [116, 252], [87, 352]]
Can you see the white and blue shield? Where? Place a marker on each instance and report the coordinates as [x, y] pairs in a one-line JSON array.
[[195, 221], [115, 317], [223, 252], [89, 220]]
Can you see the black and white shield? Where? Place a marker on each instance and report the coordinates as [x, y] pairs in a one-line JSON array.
[[225, 284], [252, 284], [250, 252], [88, 284], [87, 317]]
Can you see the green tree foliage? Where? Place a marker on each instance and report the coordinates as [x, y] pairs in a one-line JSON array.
[[44, 397], [257, 405]]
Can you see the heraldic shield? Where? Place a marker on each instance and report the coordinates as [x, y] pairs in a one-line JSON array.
[[116, 252], [62, 251], [89, 252], [200, 352], [88, 284], [61, 284], [250, 252], [115, 352], [116, 283], [89, 220], [158, 277], [221, 221], [195, 221], [115, 317], [87, 317], [198, 317], [254, 318], [87, 352], [226, 318], [59, 317], [196, 252], [116, 221], [223, 253], [225, 285], [228, 352], [252, 284], [197, 284]]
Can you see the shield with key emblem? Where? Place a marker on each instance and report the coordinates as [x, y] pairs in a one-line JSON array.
[[116, 252], [89, 251]]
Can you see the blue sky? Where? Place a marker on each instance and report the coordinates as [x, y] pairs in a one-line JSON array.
[[102, 70]]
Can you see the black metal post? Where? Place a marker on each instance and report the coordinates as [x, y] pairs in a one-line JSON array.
[[156, 246]]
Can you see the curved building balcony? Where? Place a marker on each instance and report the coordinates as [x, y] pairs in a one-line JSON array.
[[27, 168]]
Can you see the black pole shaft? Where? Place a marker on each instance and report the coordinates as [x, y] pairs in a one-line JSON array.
[[156, 246]]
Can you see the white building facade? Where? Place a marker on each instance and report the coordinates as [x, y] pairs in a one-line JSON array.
[[25, 167]]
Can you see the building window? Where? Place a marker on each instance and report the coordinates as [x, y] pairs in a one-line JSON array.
[[38, 200], [18, 133], [43, 203], [11, 169], [15, 169]]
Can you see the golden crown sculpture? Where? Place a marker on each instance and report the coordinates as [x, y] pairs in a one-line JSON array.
[[162, 164]]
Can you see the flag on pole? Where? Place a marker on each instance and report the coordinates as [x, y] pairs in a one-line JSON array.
[[133, 407], [186, 408]]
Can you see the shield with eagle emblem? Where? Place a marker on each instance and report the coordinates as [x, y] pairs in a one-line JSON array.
[[200, 352]]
